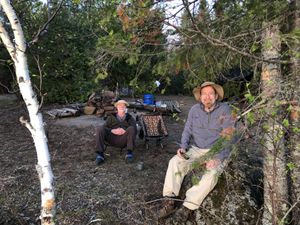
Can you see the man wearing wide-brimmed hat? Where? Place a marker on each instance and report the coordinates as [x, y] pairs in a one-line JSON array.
[[207, 121], [119, 130]]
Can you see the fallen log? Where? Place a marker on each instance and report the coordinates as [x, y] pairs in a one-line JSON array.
[[65, 112]]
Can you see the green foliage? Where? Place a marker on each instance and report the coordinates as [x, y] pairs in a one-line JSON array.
[[131, 45], [255, 46], [195, 180], [101, 43], [291, 166], [286, 123], [296, 130], [250, 97], [222, 143], [216, 148], [66, 52], [100, 75], [250, 118], [132, 60], [265, 127]]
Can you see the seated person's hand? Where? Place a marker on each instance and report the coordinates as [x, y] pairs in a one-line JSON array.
[[181, 152], [213, 163], [118, 131]]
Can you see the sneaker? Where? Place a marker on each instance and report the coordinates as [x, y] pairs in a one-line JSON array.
[[99, 159], [129, 157]]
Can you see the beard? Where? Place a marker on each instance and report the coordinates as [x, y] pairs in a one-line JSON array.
[[208, 104]]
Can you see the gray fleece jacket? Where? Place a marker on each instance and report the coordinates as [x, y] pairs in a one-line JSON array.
[[202, 128]]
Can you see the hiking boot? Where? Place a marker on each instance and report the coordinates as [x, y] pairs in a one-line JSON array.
[[129, 157], [167, 208], [181, 215], [99, 159]]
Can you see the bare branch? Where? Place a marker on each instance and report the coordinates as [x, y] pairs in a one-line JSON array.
[[9, 91], [219, 42], [41, 80], [43, 30], [27, 124]]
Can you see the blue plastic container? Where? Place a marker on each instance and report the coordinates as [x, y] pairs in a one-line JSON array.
[[148, 99]]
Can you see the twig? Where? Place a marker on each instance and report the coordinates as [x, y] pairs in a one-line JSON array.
[[219, 42], [257, 106], [282, 221], [95, 220], [169, 198], [9, 91], [44, 28], [261, 104]]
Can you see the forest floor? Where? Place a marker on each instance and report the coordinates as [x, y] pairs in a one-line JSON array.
[[112, 193]]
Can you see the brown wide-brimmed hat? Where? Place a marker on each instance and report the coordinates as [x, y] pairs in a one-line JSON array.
[[219, 89], [121, 102]]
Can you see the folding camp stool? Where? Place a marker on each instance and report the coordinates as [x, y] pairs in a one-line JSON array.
[[154, 128]]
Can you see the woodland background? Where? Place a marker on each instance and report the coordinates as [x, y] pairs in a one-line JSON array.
[[75, 48]]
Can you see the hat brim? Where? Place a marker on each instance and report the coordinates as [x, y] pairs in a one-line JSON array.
[[121, 102], [218, 88]]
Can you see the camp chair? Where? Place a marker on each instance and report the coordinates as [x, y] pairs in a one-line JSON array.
[[154, 128]]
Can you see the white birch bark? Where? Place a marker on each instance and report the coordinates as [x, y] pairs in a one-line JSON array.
[[17, 51]]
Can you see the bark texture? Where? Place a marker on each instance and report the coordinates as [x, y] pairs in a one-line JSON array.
[[294, 117], [17, 51], [275, 180]]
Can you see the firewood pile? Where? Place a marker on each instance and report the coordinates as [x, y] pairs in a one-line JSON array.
[[100, 104]]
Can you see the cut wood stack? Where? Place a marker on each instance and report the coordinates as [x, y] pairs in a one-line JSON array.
[[100, 103]]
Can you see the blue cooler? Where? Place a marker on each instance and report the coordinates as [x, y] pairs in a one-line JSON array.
[[148, 99]]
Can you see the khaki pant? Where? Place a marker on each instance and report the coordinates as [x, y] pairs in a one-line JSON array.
[[179, 167]]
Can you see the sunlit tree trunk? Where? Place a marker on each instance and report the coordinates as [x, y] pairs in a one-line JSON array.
[[275, 180], [294, 137], [17, 49]]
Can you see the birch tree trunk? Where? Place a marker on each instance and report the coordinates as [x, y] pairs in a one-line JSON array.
[[294, 117], [17, 49], [275, 180]]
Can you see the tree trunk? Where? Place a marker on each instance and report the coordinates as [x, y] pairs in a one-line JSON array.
[[17, 51], [275, 180], [294, 118]]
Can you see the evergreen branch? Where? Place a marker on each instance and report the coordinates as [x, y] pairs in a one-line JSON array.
[[222, 143]]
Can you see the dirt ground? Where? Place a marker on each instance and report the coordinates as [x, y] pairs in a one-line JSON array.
[[112, 193]]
